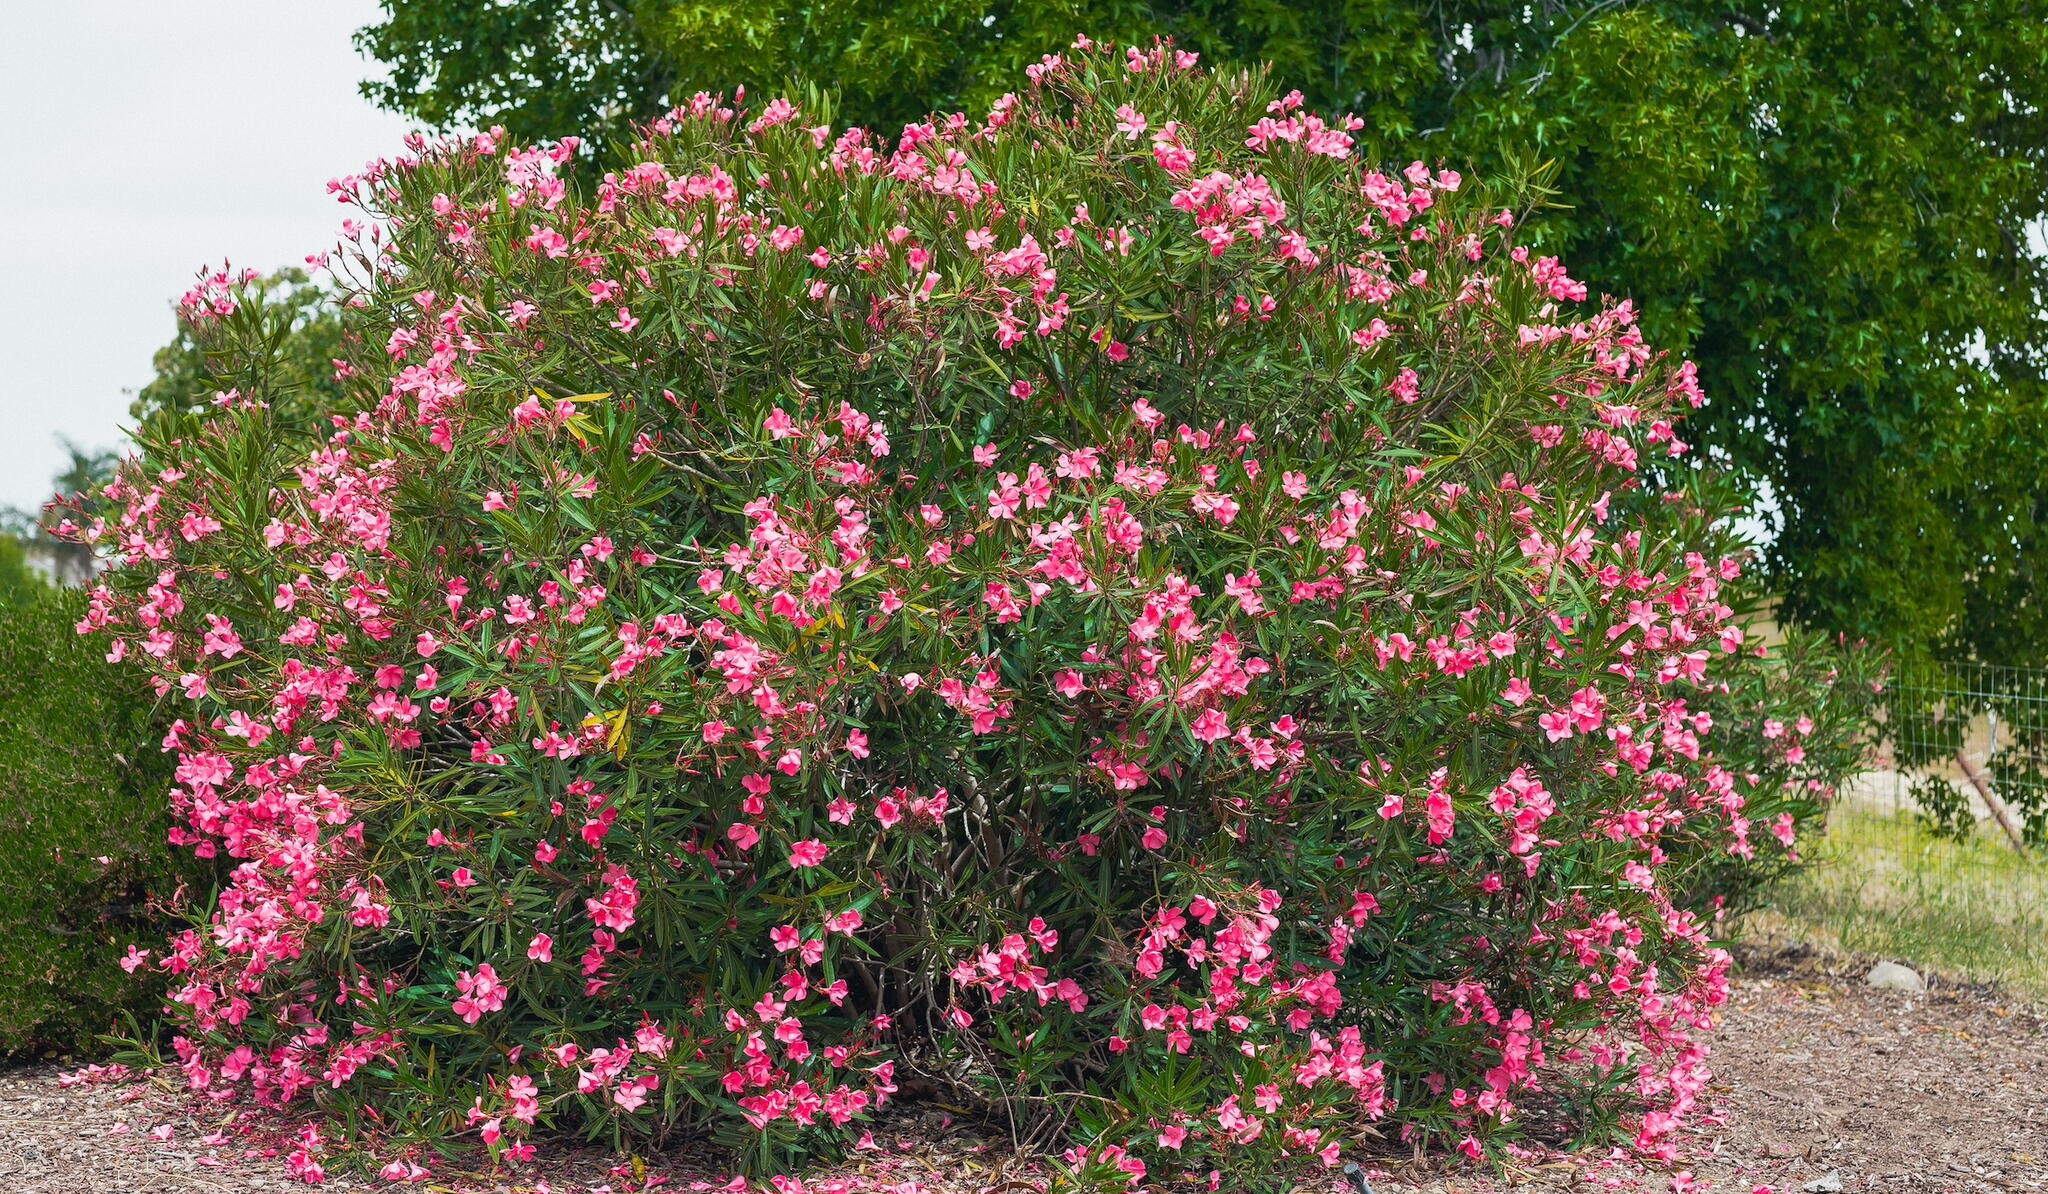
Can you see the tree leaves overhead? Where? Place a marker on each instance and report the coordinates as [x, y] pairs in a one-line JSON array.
[[578, 65], [1836, 208]]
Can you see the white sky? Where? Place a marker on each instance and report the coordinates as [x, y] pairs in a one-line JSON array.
[[153, 137]]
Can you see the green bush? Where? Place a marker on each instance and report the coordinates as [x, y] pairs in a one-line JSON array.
[[18, 582], [1786, 767], [82, 805], [1122, 614]]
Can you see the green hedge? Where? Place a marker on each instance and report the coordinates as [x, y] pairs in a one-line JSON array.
[[82, 821]]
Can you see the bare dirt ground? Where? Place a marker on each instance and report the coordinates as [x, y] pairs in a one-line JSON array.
[[1946, 1091], [1823, 1085]]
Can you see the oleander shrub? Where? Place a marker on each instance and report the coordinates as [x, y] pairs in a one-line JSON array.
[[1117, 612], [283, 340], [1794, 719], [84, 811]]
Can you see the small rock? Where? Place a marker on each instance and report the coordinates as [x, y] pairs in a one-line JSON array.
[[1831, 1181], [1890, 976]]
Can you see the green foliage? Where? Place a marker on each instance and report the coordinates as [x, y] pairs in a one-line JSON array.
[[18, 582], [579, 66], [83, 806], [298, 332], [1834, 207], [1792, 763]]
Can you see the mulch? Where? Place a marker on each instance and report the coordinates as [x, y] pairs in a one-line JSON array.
[[1822, 1084]]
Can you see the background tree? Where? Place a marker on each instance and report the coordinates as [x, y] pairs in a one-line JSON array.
[[18, 582], [23, 533], [1836, 208]]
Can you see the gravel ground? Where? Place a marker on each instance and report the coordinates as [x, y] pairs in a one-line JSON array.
[[1823, 1085]]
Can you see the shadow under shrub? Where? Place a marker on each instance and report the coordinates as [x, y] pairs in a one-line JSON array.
[[1117, 612], [83, 813]]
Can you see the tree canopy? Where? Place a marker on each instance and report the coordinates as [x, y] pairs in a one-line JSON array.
[[1836, 208], [23, 532]]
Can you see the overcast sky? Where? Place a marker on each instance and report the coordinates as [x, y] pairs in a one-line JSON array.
[[153, 137]]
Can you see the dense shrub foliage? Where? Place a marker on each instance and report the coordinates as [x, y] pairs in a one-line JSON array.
[[82, 805], [1115, 610], [1795, 720]]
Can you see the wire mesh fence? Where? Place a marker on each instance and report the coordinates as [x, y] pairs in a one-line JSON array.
[[1939, 853], [1966, 750]]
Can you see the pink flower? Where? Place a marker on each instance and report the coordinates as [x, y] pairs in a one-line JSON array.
[[1371, 334], [541, 948], [1782, 829], [1211, 726], [1438, 809], [481, 992], [807, 853]]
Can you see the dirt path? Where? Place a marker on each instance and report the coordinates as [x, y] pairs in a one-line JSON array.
[[1823, 1085]]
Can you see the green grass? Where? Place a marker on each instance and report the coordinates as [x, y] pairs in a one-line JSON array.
[[1972, 910]]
